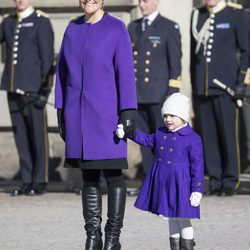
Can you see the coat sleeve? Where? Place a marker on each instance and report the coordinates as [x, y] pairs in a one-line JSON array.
[[45, 47], [124, 72], [197, 166], [61, 74], [242, 36], [174, 55], [144, 139]]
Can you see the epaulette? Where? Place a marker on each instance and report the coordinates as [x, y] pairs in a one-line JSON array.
[[9, 15], [6, 15], [41, 13], [234, 5], [73, 18]]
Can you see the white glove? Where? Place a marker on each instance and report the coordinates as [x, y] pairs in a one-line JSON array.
[[195, 199], [120, 131]]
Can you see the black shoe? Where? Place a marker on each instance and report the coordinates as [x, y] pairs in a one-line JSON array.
[[226, 192], [211, 192], [38, 189], [132, 191], [22, 190]]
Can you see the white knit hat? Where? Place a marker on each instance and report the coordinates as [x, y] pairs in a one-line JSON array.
[[177, 104]]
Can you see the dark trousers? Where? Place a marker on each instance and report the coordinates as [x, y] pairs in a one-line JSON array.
[[113, 177], [219, 127], [149, 120], [30, 133]]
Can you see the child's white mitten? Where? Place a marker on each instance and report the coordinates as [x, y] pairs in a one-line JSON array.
[[120, 131], [195, 199]]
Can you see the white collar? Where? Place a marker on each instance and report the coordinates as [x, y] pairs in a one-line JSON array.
[[179, 127], [25, 13], [151, 17], [218, 7]]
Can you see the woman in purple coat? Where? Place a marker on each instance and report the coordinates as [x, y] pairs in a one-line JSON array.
[[174, 184], [95, 90]]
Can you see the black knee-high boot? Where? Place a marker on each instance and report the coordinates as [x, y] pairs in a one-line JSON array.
[[187, 244], [92, 213], [174, 243], [116, 209]]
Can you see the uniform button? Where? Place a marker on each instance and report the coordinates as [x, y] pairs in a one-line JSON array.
[[15, 62], [16, 43], [208, 59], [211, 34], [169, 162], [147, 61], [147, 70], [135, 79], [171, 150], [209, 46], [146, 79], [15, 49], [199, 184], [148, 53], [211, 40], [154, 45], [135, 69], [212, 15], [211, 27], [135, 61], [165, 137], [212, 21], [162, 148], [15, 55], [159, 159], [209, 53], [174, 138], [17, 31], [19, 25], [135, 53], [16, 37]]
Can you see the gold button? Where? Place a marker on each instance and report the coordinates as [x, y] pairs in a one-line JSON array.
[[171, 150], [146, 79], [135, 53], [169, 162], [174, 138], [162, 148], [133, 45], [154, 45], [199, 184], [147, 61], [165, 137], [148, 53], [135, 61], [159, 159], [147, 70]]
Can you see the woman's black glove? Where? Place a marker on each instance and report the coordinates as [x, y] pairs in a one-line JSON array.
[[128, 120], [61, 124]]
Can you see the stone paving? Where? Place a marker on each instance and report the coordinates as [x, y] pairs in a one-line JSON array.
[[54, 222]]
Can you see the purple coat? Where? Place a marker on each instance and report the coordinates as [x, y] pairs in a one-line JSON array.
[[94, 82], [176, 171]]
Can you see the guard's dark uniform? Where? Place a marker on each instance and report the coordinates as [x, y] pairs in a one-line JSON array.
[[216, 38], [29, 48], [157, 60]]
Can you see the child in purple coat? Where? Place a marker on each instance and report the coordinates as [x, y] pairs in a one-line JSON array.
[[174, 184]]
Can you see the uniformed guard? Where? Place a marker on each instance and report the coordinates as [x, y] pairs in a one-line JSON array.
[[29, 40], [156, 43], [219, 31]]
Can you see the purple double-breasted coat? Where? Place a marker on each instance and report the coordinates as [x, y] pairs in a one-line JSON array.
[[177, 171], [94, 83]]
